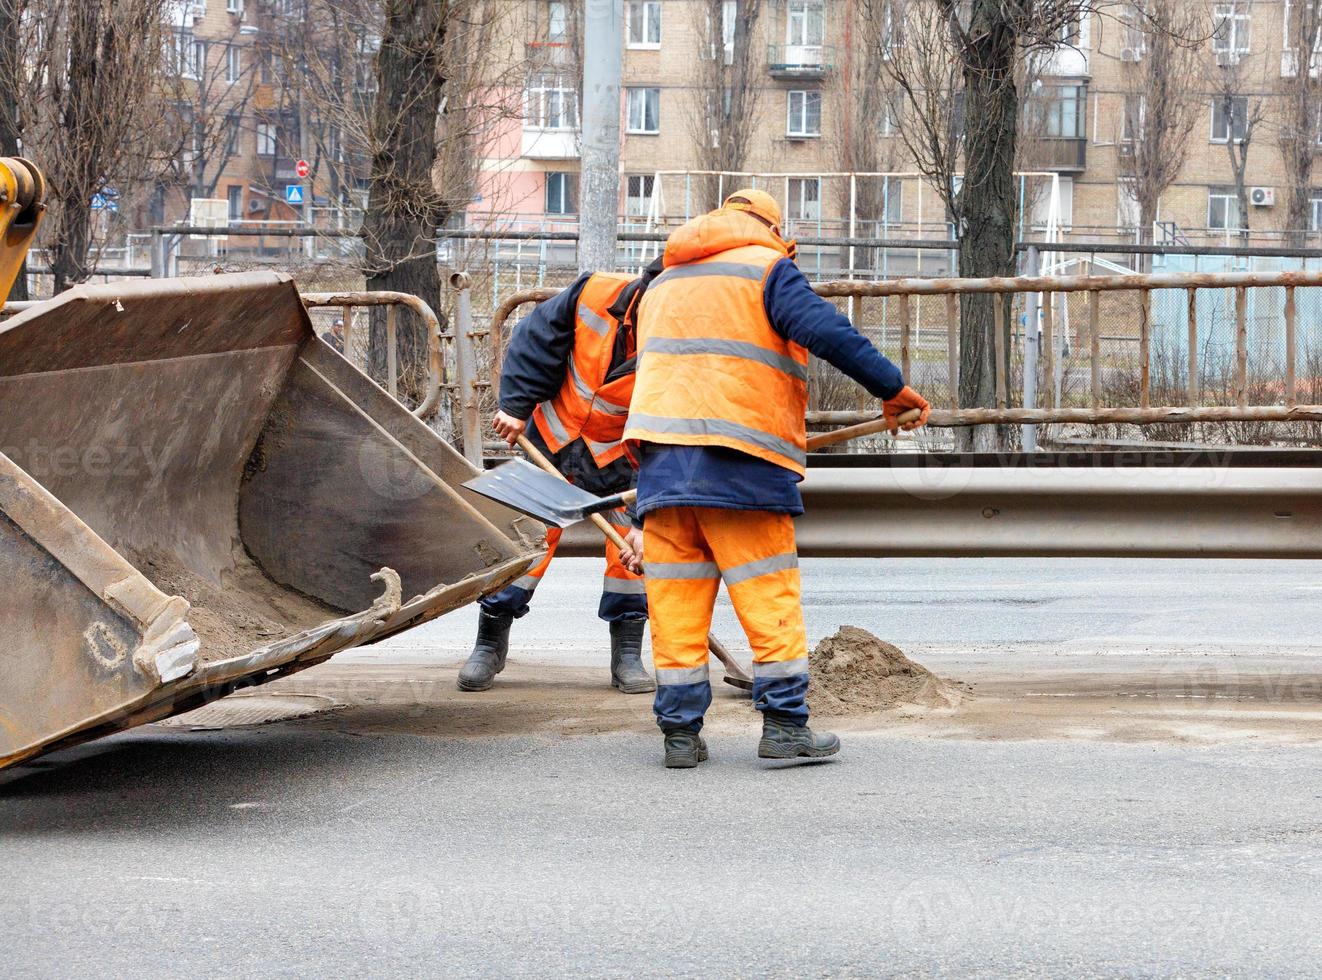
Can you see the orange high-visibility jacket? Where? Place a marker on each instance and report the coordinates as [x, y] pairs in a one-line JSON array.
[[587, 406], [712, 371]]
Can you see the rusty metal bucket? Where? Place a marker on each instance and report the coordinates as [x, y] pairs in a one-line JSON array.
[[197, 494]]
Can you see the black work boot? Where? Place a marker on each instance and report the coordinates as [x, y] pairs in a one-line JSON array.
[[786, 740], [488, 656], [684, 750], [627, 670]]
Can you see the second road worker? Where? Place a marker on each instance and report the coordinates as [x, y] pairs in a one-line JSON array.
[[717, 426], [570, 369]]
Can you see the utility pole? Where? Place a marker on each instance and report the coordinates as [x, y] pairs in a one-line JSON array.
[[599, 181]]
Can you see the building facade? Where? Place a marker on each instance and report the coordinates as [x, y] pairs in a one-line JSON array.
[[1084, 103]]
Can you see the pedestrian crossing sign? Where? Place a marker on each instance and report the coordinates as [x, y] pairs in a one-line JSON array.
[[294, 194]]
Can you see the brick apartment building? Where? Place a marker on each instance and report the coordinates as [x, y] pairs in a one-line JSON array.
[[251, 126], [801, 50], [254, 124]]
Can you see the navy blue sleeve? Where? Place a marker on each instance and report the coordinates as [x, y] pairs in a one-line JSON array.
[[800, 315], [538, 355]]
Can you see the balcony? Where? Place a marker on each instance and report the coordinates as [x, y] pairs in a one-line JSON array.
[[1062, 154], [550, 144], [542, 55], [800, 61]]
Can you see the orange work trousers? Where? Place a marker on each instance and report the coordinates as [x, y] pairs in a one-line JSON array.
[[688, 552]]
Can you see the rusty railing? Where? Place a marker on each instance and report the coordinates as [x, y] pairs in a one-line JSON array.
[[1093, 287], [392, 301]]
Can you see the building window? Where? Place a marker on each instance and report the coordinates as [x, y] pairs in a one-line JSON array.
[[550, 102], [638, 190], [266, 139], [805, 24], [892, 200], [892, 113], [892, 38], [1133, 36], [1071, 32], [1315, 211], [1230, 32], [1131, 124], [644, 29], [561, 193], [190, 55], [234, 126], [805, 199], [804, 114], [729, 20], [557, 22], [1062, 109], [644, 110], [235, 197], [233, 63], [1126, 204], [1222, 208], [1230, 119]]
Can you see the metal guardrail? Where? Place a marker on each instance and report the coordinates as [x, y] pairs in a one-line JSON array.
[[1170, 506], [1093, 286]]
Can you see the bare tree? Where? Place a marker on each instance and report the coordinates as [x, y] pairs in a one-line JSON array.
[[1300, 128], [212, 91], [10, 87], [1238, 112], [88, 74], [982, 42], [866, 113], [1160, 109], [727, 94]]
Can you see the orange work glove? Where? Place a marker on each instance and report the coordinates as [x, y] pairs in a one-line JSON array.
[[893, 408]]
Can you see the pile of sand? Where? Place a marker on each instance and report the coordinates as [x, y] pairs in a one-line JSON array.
[[853, 672]]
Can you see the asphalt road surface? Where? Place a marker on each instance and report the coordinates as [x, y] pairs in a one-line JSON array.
[[341, 848]]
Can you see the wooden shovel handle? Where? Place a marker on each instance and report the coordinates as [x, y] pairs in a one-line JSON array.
[[863, 429]]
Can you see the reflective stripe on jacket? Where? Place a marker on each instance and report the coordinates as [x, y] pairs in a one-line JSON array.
[[712, 371], [587, 406]]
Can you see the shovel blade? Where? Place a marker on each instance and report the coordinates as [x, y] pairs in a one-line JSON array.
[[531, 490]]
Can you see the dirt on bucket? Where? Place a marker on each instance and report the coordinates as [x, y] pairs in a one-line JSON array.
[[854, 672]]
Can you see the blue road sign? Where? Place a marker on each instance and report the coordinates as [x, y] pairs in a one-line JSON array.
[[294, 194], [104, 202]]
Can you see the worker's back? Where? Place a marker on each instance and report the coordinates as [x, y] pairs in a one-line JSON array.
[[712, 370]]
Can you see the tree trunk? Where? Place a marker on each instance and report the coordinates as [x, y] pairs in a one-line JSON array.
[[9, 117], [404, 208], [987, 205]]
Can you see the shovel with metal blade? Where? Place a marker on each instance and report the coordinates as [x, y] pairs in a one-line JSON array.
[[547, 497]]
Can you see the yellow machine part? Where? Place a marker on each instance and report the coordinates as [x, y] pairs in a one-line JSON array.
[[22, 205]]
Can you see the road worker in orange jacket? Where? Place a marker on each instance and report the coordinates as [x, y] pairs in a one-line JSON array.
[[717, 427], [570, 370]]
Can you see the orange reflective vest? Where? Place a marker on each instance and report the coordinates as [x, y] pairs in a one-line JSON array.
[[712, 371], [587, 406]]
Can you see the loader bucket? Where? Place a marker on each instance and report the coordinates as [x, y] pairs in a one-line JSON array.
[[197, 494]]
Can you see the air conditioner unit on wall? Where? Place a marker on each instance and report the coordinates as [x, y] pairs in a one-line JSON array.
[[1262, 197], [1131, 54]]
